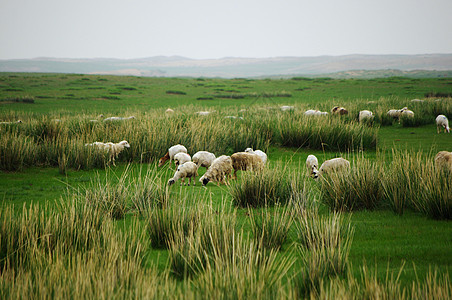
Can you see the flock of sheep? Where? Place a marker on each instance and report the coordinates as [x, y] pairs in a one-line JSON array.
[[219, 169]]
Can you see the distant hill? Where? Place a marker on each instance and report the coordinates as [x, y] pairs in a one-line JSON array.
[[367, 66]]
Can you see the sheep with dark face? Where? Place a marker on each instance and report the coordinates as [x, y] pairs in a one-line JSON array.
[[187, 170], [219, 170], [338, 110], [181, 158], [172, 151], [244, 161], [312, 164]]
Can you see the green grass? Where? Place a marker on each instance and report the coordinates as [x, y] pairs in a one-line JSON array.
[[382, 241]]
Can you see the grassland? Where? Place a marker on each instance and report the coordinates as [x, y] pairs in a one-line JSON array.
[[126, 201]]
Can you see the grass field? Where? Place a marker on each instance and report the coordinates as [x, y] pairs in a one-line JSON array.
[[62, 206]]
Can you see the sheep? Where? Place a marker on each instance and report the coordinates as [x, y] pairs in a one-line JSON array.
[[234, 117], [444, 160], [118, 118], [203, 159], [112, 148], [334, 164], [442, 121], [219, 170], [260, 153], [407, 113], [312, 165], [286, 108], [339, 111], [396, 113], [417, 100], [169, 111], [315, 112], [181, 158], [186, 170], [204, 113], [14, 122], [365, 115], [246, 161], [170, 154]]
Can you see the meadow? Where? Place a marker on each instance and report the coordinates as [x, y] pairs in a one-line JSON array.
[[74, 226]]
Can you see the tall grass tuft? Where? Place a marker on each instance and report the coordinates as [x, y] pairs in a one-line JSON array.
[[359, 188], [268, 187], [324, 246], [271, 228]]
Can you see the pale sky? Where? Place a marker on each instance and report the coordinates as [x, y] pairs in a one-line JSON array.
[[203, 29]]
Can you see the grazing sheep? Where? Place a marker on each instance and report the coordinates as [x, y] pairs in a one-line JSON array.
[[118, 118], [444, 160], [365, 115], [286, 108], [204, 113], [339, 111], [233, 117], [15, 122], [260, 153], [334, 164], [246, 161], [170, 154], [181, 158], [408, 113], [112, 148], [417, 100], [442, 121], [315, 112], [203, 159], [312, 164], [169, 111], [220, 169], [186, 170], [396, 113]]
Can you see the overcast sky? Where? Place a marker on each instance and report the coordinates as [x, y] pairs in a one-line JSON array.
[[228, 28]]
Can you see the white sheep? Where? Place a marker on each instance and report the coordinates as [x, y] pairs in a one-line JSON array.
[[219, 170], [169, 111], [260, 153], [234, 117], [334, 164], [286, 108], [315, 112], [407, 113], [442, 122], [14, 122], [396, 113], [417, 100], [118, 118], [112, 148], [186, 170], [365, 115], [243, 161], [204, 113], [203, 159], [443, 159], [312, 164], [181, 158], [170, 154]]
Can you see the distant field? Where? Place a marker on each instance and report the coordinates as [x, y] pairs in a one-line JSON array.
[[85, 209]]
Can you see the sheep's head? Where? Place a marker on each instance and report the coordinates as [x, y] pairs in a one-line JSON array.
[[334, 109], [171, 181], [314, 172], [205, 181], [125, 144], [249, 150]]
